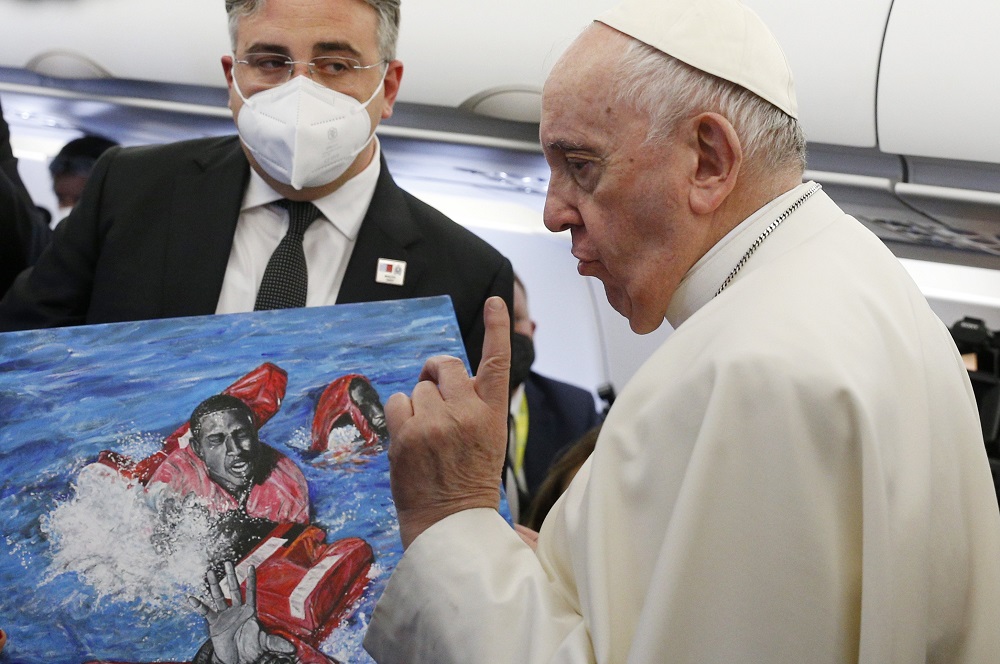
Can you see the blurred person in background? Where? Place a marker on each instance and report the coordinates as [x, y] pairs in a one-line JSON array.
[[546, 415], [557, 480], [24, 230], [70, 170]]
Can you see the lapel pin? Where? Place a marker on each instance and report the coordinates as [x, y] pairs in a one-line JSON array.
[[390, 272]]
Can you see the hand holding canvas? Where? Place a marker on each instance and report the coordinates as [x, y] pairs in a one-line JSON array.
[[447, 440]]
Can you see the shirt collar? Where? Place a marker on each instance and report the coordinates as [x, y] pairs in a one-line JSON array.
[[515, 399], [702, 281], [345, 208]]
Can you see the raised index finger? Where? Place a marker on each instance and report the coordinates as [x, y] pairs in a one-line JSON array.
[[492, 379]]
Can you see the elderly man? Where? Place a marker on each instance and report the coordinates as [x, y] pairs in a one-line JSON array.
[[299, 210], [796, 475], [228, 468]]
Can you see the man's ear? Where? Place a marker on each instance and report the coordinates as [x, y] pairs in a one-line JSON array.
[[227, 69], [393, 76], [720, 157], [195, 445]]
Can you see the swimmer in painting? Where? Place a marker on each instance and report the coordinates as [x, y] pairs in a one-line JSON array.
[[349, 417], [227, 466], [247, 486]]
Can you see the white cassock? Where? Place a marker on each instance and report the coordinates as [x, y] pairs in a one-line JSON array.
[[796, 476]]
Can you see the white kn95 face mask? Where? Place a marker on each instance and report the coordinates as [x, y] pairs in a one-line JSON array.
[[302, 133]]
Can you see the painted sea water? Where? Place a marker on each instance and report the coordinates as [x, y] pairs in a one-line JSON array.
[[84, 571]]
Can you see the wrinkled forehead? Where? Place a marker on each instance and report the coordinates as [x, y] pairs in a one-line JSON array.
[[585, 73], [343, 27], [224, 416], [596, 51], [581, 94]]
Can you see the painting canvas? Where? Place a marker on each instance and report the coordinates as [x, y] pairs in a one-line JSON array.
[[112, 510]]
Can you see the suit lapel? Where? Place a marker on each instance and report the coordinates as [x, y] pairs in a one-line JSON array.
[[205, 209], [388, 231]]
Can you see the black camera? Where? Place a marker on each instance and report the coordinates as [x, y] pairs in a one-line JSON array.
[[981, 350]]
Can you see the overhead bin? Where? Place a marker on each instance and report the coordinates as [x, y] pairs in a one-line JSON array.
[[833, 49], [891, 98], [895, 96], [937, 87], [180, 41], [486, 58], [939, 90], [490, 58]]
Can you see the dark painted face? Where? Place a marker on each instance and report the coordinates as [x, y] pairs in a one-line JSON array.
[[365, 396], [229, 446]]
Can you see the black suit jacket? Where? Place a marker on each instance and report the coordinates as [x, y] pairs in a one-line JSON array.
[[152, 234], [24, 230], [558, 415], [15, 232]]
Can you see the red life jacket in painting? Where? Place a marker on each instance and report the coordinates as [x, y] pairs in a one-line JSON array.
[[262, 390], [335, 408]]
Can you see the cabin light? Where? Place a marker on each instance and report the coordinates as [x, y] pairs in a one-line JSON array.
[[41, 120], [66, 64], [524, 183], [518, 103]]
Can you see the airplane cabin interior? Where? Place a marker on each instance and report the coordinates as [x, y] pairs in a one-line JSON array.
[[896, 98]]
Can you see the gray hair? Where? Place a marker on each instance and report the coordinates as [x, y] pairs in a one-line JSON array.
[[387, 11], [669, 91]]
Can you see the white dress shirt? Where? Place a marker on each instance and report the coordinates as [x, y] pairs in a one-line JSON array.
[[328, 241]]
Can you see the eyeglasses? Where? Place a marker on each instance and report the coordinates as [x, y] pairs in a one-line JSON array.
[[270, 69]]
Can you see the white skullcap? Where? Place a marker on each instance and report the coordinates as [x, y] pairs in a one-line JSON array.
[[721, 37]]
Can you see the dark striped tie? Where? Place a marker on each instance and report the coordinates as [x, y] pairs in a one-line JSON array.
[[286, 281]]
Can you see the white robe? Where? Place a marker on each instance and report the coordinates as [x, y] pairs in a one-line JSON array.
[[797, 475]]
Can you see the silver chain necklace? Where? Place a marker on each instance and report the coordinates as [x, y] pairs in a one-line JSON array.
[[763, 236]]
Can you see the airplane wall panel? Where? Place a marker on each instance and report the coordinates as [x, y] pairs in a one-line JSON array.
[[833, 50], [453, 50], [180, 41], [938, 87], [456, 49]]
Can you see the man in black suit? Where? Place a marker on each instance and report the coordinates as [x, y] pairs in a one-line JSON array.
[[546, 415], [16, 223], [189, 228], [24, 231]]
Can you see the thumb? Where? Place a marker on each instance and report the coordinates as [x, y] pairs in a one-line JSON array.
[[273, 643], [492, 379]]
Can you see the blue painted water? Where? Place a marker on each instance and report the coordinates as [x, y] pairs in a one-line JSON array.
[[79, 578]]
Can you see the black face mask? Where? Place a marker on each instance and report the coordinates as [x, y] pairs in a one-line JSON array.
[[522, 355]]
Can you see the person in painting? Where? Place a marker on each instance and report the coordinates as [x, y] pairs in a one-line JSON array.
[[236, 635], [368, 401], [253, 488], [229, 469], [350, 404]]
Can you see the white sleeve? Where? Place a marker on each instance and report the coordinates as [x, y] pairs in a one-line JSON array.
[[469, 590]]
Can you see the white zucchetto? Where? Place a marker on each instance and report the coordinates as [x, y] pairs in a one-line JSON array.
[[720, 37]]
